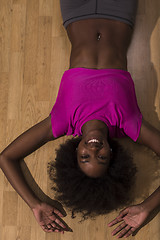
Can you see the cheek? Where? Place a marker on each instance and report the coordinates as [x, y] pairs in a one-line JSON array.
[[80, 145], [80, 148]]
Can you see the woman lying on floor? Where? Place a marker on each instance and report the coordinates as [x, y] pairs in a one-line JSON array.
[[96, 102]]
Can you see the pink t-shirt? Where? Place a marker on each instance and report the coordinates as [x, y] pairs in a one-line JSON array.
[[104, 94]]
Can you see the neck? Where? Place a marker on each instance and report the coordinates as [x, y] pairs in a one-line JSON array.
[[95, 125]]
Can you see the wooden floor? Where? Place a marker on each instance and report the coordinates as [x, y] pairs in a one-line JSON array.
[[34, 53]]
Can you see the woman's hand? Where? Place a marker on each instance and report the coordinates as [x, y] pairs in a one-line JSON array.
[[49, 219], [133, 217]]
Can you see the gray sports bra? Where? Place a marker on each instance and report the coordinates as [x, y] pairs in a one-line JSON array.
[[121, 10]]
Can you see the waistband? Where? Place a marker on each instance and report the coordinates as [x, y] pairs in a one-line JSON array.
[[107, 70], [121, 10]]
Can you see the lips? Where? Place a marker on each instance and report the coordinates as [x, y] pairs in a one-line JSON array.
[[94, 141]]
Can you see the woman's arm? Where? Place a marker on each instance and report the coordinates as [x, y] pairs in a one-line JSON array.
[[150, 137], [47, 216], [21, 147], [29, 141], [153, 201], [135, 216]]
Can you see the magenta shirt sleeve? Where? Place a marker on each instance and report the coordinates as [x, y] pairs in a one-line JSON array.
[[58, 121], [132, 128], [58, 114]]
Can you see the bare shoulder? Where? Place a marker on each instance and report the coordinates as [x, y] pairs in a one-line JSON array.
[[49, 128], [146, 130], [149, 136], [49, 125], [142, 131]]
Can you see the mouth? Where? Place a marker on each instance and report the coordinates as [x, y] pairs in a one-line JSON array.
[[94, 140]]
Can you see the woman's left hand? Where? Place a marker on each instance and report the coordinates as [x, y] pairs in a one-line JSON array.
[[133, 217]]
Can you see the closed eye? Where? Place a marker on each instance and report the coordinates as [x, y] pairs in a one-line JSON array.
[[84, 157], [87, 156], [104, 163]]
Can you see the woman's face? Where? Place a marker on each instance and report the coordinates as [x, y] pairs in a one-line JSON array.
[[93, 154]]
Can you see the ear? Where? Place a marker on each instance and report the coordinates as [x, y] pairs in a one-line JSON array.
[[111, 152]]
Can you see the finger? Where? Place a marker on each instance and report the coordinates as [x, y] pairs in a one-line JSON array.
[[59, 213], [119, 228], [48, 227], [60, 224], [54, 225], [48, 230], [123, 212], [59, 231], [124, 231], [131, 231], [54, 218], [119, 218], [128, 233], [115, 221], [45, 229]]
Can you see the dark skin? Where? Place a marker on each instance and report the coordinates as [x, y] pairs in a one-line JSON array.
[[88, 52], [110, 51], [94, 158]]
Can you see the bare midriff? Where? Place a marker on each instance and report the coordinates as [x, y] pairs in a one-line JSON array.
[[99, 43]]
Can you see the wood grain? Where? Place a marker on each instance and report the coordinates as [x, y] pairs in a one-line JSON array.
[[34, 53]]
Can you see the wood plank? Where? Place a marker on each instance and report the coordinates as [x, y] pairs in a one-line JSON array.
[[10, 203], [31, 41], [34, 53], [46, 8], [44, 59], [5, 32]]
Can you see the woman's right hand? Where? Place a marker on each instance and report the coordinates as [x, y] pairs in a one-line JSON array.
[[49, 218]]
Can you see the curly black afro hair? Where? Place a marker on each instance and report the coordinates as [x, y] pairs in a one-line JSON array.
[[91, 196]]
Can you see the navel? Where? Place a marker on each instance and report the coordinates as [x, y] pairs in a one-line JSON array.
[[98, 36]]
